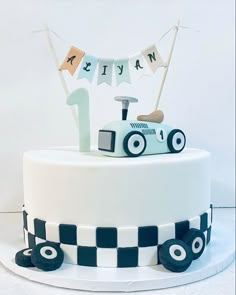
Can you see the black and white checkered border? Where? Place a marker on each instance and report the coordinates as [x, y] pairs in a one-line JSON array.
[[111, 246]]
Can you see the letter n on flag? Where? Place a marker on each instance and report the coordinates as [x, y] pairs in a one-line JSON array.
[[72, 60], [153, 58]]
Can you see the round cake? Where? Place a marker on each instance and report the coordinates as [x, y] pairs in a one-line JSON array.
[[114, 212]]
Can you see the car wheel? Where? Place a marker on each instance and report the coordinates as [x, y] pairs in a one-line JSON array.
[[176, 141], [47, 256], [196, 241], [23, 258], [134, 144], [175, 255]]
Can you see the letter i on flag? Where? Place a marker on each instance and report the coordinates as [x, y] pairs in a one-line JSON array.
[[88, 67], [105, 70], [122, 71], [72, 60], [153, 58]]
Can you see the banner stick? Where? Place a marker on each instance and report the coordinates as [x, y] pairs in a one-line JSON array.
[[167, 67], [61, 76]]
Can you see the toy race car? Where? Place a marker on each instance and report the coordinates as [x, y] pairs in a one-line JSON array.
[[136, 138]]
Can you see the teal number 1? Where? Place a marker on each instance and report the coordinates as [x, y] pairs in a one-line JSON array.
[[80, 97]]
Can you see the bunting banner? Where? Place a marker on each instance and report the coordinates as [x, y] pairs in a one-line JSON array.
[[112, 71]]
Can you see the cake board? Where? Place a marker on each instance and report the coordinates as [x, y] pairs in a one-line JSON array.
[[218, 255]]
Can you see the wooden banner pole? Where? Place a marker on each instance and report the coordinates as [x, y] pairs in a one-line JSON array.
[[176, 28], [61, 76]]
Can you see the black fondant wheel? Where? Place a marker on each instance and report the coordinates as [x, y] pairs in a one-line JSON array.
[[196, 241], [176, 141], [175, 255], [134, 144], [47, 256], [23, 258]]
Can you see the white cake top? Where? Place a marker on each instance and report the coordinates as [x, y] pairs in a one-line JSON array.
[[70, 155]]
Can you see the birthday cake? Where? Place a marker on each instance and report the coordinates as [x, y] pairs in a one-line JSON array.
[[140, 198], [117, 212]]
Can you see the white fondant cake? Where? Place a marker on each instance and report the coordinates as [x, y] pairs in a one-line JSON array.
[[65, 186], [114, 212]]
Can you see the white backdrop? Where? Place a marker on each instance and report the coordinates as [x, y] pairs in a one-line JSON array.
[[198, 95]]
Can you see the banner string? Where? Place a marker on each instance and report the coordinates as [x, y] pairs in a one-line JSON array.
[[105, 71], [67, 42], [189, 28]]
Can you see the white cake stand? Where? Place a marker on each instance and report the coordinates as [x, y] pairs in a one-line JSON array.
[[218, 255]]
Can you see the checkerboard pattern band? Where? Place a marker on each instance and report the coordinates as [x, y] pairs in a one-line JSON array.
[[111, 246]]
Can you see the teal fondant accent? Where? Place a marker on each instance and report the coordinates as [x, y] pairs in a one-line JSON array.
[[148, 129], [80, 97]]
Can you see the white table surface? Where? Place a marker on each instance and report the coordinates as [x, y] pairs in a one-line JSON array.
[[220, 284]]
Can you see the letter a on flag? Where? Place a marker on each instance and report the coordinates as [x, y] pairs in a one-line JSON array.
[[72, 60], [153, 58], [138, 66]]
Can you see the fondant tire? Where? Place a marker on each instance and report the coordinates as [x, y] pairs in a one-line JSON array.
[[176, 141], [175, 255], [23, 258], [134, 144], [47, 256], [196, 241]]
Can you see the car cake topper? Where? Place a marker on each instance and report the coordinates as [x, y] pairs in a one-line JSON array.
[[139, 137]]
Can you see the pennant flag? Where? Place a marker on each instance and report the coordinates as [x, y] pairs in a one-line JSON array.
[[72, 60], [153, 58], [88, 67], [138, 66], [122, 71], [105, 70]]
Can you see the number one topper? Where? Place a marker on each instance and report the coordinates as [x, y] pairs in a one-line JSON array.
[[80, 97]]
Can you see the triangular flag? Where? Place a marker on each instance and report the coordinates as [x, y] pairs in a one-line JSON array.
[[88, 67], [138, 66], [153, 58], [122, 71], [105, 70], [72, 60]]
